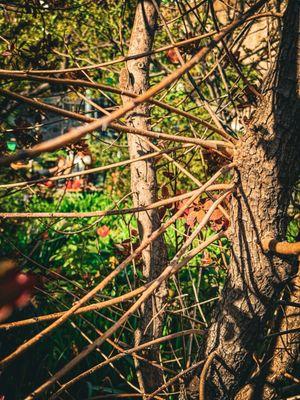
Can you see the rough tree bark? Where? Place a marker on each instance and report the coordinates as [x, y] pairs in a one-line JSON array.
[[285, 357], [135, 78], [281, 362], [267, 165]]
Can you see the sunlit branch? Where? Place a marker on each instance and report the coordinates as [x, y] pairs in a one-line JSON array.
[[140, 55], [204, 373], [84, 83], [102, 213], [215, 145], [92, 170], [76, 133], [82, 310], [274, 246]]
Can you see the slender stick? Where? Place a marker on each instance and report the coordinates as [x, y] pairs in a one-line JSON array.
[[100, 86], [92, 170], [4, 72], [134, 56], [102, 213], [174, 379], [81, 310], [286, 332], [217, 145], [203, 375], [287, 248], [135, 349]]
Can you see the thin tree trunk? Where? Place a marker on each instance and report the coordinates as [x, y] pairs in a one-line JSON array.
[[135, 77], [267, 161]]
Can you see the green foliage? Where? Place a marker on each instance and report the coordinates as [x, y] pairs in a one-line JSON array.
[[293, 231]]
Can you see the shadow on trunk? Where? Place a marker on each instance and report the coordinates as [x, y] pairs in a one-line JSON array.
[[267, 167]]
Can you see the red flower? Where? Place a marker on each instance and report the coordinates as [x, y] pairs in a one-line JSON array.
[[103, 231], [16, 288], [49, 184]]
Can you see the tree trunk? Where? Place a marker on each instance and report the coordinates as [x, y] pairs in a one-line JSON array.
[[281, 362], [267, 165], [285, 355], [135, 77]]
